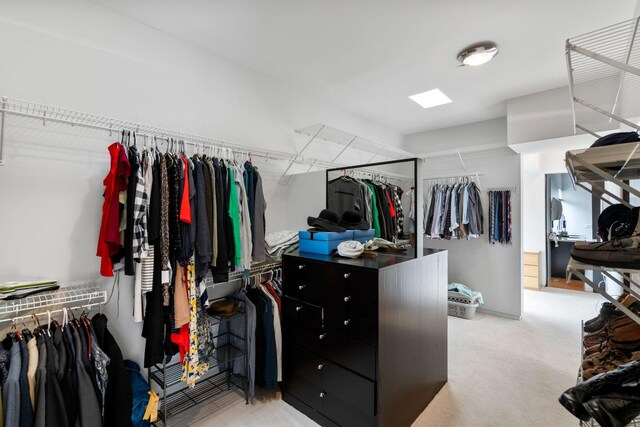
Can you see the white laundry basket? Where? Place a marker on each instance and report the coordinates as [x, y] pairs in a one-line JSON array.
[[461, 305]]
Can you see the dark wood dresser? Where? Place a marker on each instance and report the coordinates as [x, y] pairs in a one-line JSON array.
[[364, 340]]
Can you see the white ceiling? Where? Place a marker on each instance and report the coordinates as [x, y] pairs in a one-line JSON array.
[[370, 55]]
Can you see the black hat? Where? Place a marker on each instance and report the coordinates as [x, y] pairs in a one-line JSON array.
[[352, 220], [616, 138], [326, 221], [610, 215]]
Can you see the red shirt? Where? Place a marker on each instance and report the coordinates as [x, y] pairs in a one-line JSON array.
[[116, 181], [185, 206]]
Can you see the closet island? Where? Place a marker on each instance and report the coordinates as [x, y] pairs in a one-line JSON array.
[[364, 340]]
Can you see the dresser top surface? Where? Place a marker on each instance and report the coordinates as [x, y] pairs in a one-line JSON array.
[[379, 262]]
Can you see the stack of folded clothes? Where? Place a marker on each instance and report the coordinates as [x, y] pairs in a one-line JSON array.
[[281, 242], [16, 290], [610, 392]]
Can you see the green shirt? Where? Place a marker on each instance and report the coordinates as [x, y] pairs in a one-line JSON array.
[[234, 214]]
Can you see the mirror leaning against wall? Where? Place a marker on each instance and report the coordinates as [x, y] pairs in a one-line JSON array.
[[377, 201]]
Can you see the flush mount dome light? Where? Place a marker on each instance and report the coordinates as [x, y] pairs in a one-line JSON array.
[[478, 54]]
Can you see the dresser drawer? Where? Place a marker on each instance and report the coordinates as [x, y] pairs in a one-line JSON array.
[[351, 354], [357, 281], [308, 338], [306, 391], [303, 280], [304, 364], [301, 312], [344, 414], [317, 381], [350, 388], [344, 301], [353, 327]]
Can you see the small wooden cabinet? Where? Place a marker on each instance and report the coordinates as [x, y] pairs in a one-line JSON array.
[[364, 340], [531, 269]]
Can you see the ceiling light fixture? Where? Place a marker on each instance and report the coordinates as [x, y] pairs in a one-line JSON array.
[[430, 98], [478, 54]]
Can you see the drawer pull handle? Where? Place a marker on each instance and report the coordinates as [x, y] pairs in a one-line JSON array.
[[347, 275], [298, 308], [323, 394], [346, 299], [346, 322], [321, 336], [301, 287], [301, 266], [320, 366]]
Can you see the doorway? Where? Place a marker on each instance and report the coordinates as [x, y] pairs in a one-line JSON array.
[[569, 220]]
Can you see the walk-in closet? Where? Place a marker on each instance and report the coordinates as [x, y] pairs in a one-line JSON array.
[[336, 214]]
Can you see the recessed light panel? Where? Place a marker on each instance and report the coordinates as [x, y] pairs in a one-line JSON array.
[[431, 98]]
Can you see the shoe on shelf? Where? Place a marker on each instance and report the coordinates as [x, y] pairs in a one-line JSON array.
[[610, 356], [610, 363], [600, 385], [606, 311], [617, 253], [596, 338], [614, 411]]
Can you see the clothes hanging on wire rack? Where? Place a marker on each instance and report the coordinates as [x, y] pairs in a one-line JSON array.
[[378, 202], [262, 302], [170, 219], [453, 211], [69, 374], [500, 217]]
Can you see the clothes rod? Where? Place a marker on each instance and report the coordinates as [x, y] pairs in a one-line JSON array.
[[512, 189], [372, 173], [49, 313], [46, 113], [469, 175]]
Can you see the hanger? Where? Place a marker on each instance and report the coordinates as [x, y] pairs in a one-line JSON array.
[[36, 322]]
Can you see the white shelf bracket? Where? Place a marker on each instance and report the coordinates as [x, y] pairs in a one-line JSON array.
[[301, 151], [2, 119]]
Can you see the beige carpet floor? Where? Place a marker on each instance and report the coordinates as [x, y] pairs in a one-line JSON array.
[[502, 372]]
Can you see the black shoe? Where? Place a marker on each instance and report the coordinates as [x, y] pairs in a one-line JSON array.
[[606, 311], [600, 385], [613, 411]]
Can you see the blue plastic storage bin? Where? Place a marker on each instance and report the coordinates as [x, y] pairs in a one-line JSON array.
[[322, 242]]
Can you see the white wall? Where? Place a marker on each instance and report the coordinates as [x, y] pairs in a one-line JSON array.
[[291, 204], [80, 56], [495, 270], [488, 132]]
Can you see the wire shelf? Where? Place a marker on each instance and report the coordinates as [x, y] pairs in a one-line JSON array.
[[345, 143], [178, 401], [255, 269], [604, 76], [173, 373], [47, 113], [79, 292]]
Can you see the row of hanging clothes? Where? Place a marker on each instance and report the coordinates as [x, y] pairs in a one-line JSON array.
[[261, 297], [500, 216], [453, 210], [169, 220], [378, 201], [67, 374]]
